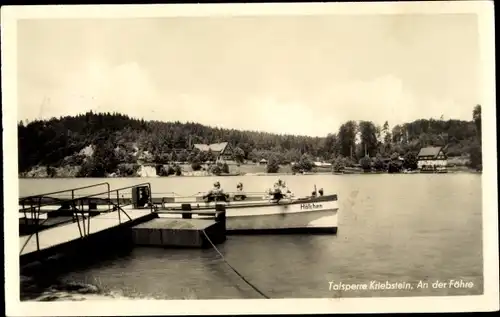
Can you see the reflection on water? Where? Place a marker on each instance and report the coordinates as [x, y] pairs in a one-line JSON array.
[[396, 228]]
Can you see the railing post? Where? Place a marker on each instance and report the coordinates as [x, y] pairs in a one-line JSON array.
[[118, 206], [25, 216], [37, 228], [82, 210], [151, 206], [75, 213], [88, 223], [109, 198]]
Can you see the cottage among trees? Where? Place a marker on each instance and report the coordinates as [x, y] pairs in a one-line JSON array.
[[221, 151], [432, 159]]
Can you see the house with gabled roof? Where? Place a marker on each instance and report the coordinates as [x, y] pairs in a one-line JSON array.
[[432, 158], [222, 151]]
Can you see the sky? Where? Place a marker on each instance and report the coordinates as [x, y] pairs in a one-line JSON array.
[[302, 75]]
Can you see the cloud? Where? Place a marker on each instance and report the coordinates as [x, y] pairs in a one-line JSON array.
[[299, 84], [96, 86], [382, 98], [286, 117], [125, 88], [128, 88]]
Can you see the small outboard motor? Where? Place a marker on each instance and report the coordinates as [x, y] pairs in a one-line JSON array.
[[140, 196]]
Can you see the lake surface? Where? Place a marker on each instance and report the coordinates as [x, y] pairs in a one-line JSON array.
[[392, 227]]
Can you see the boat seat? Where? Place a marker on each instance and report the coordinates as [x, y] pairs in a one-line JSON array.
[[220, 198], [239, 197]]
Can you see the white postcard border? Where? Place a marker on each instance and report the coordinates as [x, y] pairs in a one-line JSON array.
[[488, 301]]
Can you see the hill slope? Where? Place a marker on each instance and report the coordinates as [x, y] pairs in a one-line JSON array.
[[116, 138]]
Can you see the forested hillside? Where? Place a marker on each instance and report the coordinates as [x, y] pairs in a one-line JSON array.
[[117, 138]]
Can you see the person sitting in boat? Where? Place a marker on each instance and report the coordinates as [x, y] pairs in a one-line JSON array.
[[278, 185], [316, 193], [280, 190], [239, 192], [216, 193]]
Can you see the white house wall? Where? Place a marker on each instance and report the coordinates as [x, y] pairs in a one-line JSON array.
[[432, 163]]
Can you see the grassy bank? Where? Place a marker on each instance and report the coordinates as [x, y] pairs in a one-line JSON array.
[[137, 170]]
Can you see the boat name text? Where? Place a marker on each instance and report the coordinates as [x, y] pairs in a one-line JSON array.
[[310, 206]]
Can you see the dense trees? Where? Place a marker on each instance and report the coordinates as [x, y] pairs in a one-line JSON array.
[[273, 164], [117, 139], [476, 118], [476, 154], [365, 163], [347, 138], [369, 141], [410, 161]]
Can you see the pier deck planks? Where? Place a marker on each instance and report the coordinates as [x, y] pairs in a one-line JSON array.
[[69, 232], [177, 232], [171, 223]]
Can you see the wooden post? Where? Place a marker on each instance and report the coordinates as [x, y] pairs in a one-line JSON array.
[[221, 220]]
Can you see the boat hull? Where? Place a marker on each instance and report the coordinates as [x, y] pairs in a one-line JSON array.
[[283, 221], [307, 216]]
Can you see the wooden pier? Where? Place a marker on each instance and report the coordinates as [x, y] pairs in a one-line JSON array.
[[69, 232], [87, 223], [74, 225]]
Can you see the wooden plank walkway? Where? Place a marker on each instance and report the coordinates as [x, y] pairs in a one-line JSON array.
[[69, 232]]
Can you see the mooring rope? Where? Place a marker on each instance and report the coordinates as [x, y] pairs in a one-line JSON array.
[[232, 268]]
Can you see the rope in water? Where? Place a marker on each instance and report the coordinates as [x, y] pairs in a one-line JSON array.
[[232, 268]]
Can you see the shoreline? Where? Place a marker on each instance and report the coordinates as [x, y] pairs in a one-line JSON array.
[[145, 170], [461, 171]]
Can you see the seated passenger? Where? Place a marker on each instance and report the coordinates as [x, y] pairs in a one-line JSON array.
[[284, 189], [215, 194], [315, 193], [280, 190], [278, 185], [239, 192]]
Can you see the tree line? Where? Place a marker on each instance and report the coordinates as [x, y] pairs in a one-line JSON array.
[[119, 139]]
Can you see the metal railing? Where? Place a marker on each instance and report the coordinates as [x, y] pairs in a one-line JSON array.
[[38, 199], [36, 203], [77, 208], [200, 193]]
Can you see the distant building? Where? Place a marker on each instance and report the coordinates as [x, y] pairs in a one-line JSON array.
[[322, 164], [222, 151], [263, 162], [432, 158]]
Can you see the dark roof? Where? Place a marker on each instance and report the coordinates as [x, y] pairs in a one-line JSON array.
[[431, 151], [215, 147]]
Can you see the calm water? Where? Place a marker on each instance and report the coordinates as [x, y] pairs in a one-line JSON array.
[[396, 228]]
